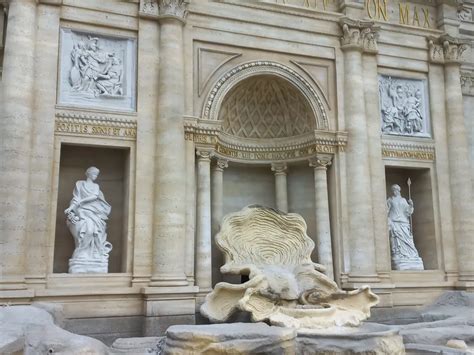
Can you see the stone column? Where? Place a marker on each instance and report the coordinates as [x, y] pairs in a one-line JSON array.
[[458, 153], [203, 219], [15, 135], [170, 177], [377, 168], [358, 36], [323, 225], [281, 190], [217, 205]]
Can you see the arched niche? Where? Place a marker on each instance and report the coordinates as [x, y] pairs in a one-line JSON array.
[[265, 69]]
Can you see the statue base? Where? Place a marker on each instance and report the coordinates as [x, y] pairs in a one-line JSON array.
[[83, 266], [407, 264]]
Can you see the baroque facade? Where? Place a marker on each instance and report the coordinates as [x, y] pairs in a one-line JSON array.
[[194, 109]]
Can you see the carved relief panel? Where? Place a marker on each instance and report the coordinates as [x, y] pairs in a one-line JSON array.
[[404, 108], [97, 71]]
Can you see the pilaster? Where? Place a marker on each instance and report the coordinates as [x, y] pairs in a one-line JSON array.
[[17, 105]]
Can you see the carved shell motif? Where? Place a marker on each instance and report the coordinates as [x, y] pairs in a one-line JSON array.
[[261, 236]]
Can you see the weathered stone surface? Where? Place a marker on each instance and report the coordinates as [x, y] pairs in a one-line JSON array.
[[370, 338], [32, 330], [138, 346], [236, 338]]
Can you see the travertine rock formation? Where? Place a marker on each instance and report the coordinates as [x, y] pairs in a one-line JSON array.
[[30, 330], [235, 338], [285, 287]]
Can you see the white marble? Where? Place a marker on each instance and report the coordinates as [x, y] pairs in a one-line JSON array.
[[404, 253], [86, 218], [97, 71], [404, 106]]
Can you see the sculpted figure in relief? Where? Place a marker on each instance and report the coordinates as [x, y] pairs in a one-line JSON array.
[[95, 71], [86, 219], [404, 253], [401, 107]]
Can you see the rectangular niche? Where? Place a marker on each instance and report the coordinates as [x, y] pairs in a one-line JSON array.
[[113, 164], [97, 71], [404, 107], [423, 215]]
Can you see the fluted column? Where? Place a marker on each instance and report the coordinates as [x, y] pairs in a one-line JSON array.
[[170, 178], [281, 189], [323, 225], [15, 135], [203, 214], [358, 36], [460, 179]]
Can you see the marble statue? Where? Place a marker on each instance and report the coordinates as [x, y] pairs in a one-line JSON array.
[[404, 253], [285, 287], [95, 71], [402, 106], [86, 219]]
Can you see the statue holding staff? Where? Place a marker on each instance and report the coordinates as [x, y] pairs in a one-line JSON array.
[[404, 253]]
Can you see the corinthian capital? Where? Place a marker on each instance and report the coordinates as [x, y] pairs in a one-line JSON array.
[[359, 35], [173, 8], [447, 49]]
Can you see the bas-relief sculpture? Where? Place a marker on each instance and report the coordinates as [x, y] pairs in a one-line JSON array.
[[403, 107], [285, 287], [86, 218], [404, 253], [97, 71]]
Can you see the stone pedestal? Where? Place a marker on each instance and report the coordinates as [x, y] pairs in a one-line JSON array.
[[407, 264], [78, 266]]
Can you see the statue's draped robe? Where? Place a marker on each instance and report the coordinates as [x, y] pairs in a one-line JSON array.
[[90, 231], [399, 212]]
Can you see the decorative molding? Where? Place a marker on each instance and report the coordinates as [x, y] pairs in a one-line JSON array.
[[85, 124], [359, 35], [467, 83], [279, 168], [246, 70], [203, 78], [465, 13], [408, 150], [204, 154]]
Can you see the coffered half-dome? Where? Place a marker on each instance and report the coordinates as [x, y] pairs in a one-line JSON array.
[[266, 106]]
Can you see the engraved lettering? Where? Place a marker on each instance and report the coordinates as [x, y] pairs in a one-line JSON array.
[[416, 18], [404, 13], [426, 14]]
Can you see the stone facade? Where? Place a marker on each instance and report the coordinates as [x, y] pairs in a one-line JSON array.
[[194, 109]]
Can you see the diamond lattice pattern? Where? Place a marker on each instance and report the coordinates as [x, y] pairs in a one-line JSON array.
[[265, 107]]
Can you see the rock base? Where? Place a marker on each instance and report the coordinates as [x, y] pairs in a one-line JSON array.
[[233, 338], [368, 339]]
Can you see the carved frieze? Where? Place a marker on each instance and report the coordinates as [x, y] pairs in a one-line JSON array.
[[359, 35], [79, 124], [408, 150], [467, 83], [97, 71], [404, 107]]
